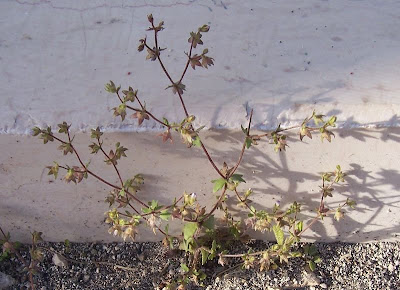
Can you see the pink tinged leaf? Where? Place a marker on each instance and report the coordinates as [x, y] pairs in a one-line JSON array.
[[166, 136], [207, 61], [195, 61]]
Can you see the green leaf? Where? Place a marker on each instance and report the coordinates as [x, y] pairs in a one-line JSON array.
[[120, 111], [196, 141], [237, 178], [339, 214], [96, 133], [177, 88], [190, 119], [66, 148], [234, 230], [184, 268], [317, 259], [195, 39], [244, 129], [296, 254], [218, 184], [153, 204], [248, 193], [110, 87], [204, 28], [70, 176], [318, 119], [351, 203], [248, 141], [36, 131], [146, 210], [46, 136], [64, 127], [165, 120], [312, 250], [95, 148], [213, 251], [189, 230], [186, 246], [209, 223], [130, 95], [204, 256], [138, 178], [312, 265], [201, 276], [5, 255], [279, 236], [165, 215], [332, 121], [53, 169], [299, 226], [326, 134], [130, 185]]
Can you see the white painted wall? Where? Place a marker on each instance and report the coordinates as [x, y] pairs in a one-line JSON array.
[[282, 58]]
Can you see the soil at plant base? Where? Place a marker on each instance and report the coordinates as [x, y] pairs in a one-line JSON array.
[[150, 266]]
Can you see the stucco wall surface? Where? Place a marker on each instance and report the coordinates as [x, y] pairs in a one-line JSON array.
[[282, 58], [32, 200]]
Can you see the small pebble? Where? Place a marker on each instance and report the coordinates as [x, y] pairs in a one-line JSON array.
[[59, 261], [345, 266]]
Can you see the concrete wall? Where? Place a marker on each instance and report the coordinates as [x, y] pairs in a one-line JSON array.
[[283, 59]]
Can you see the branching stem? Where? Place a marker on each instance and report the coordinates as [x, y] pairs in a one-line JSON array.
[[179, 94], [108, 158], [93, 174]]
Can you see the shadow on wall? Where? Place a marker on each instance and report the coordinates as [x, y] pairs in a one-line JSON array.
[[376, 193], [361, 134], [268, 119]]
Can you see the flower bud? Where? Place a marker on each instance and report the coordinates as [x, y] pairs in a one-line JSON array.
[[141, 47], [204, 28]]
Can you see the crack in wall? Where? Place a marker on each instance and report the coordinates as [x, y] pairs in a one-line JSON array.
[[123, 6]]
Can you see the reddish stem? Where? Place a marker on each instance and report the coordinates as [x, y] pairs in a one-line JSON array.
[[244, 201], [187, 63], [243, 147], [22, 260], [179, 94], [143, 109], [115, 167], [95, 175], [216, 205]]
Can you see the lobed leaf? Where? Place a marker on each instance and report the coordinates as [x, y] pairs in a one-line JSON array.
[[279, 235], [189, 229], [218, 184]]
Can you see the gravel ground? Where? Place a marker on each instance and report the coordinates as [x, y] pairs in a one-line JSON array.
[[344, 266]]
